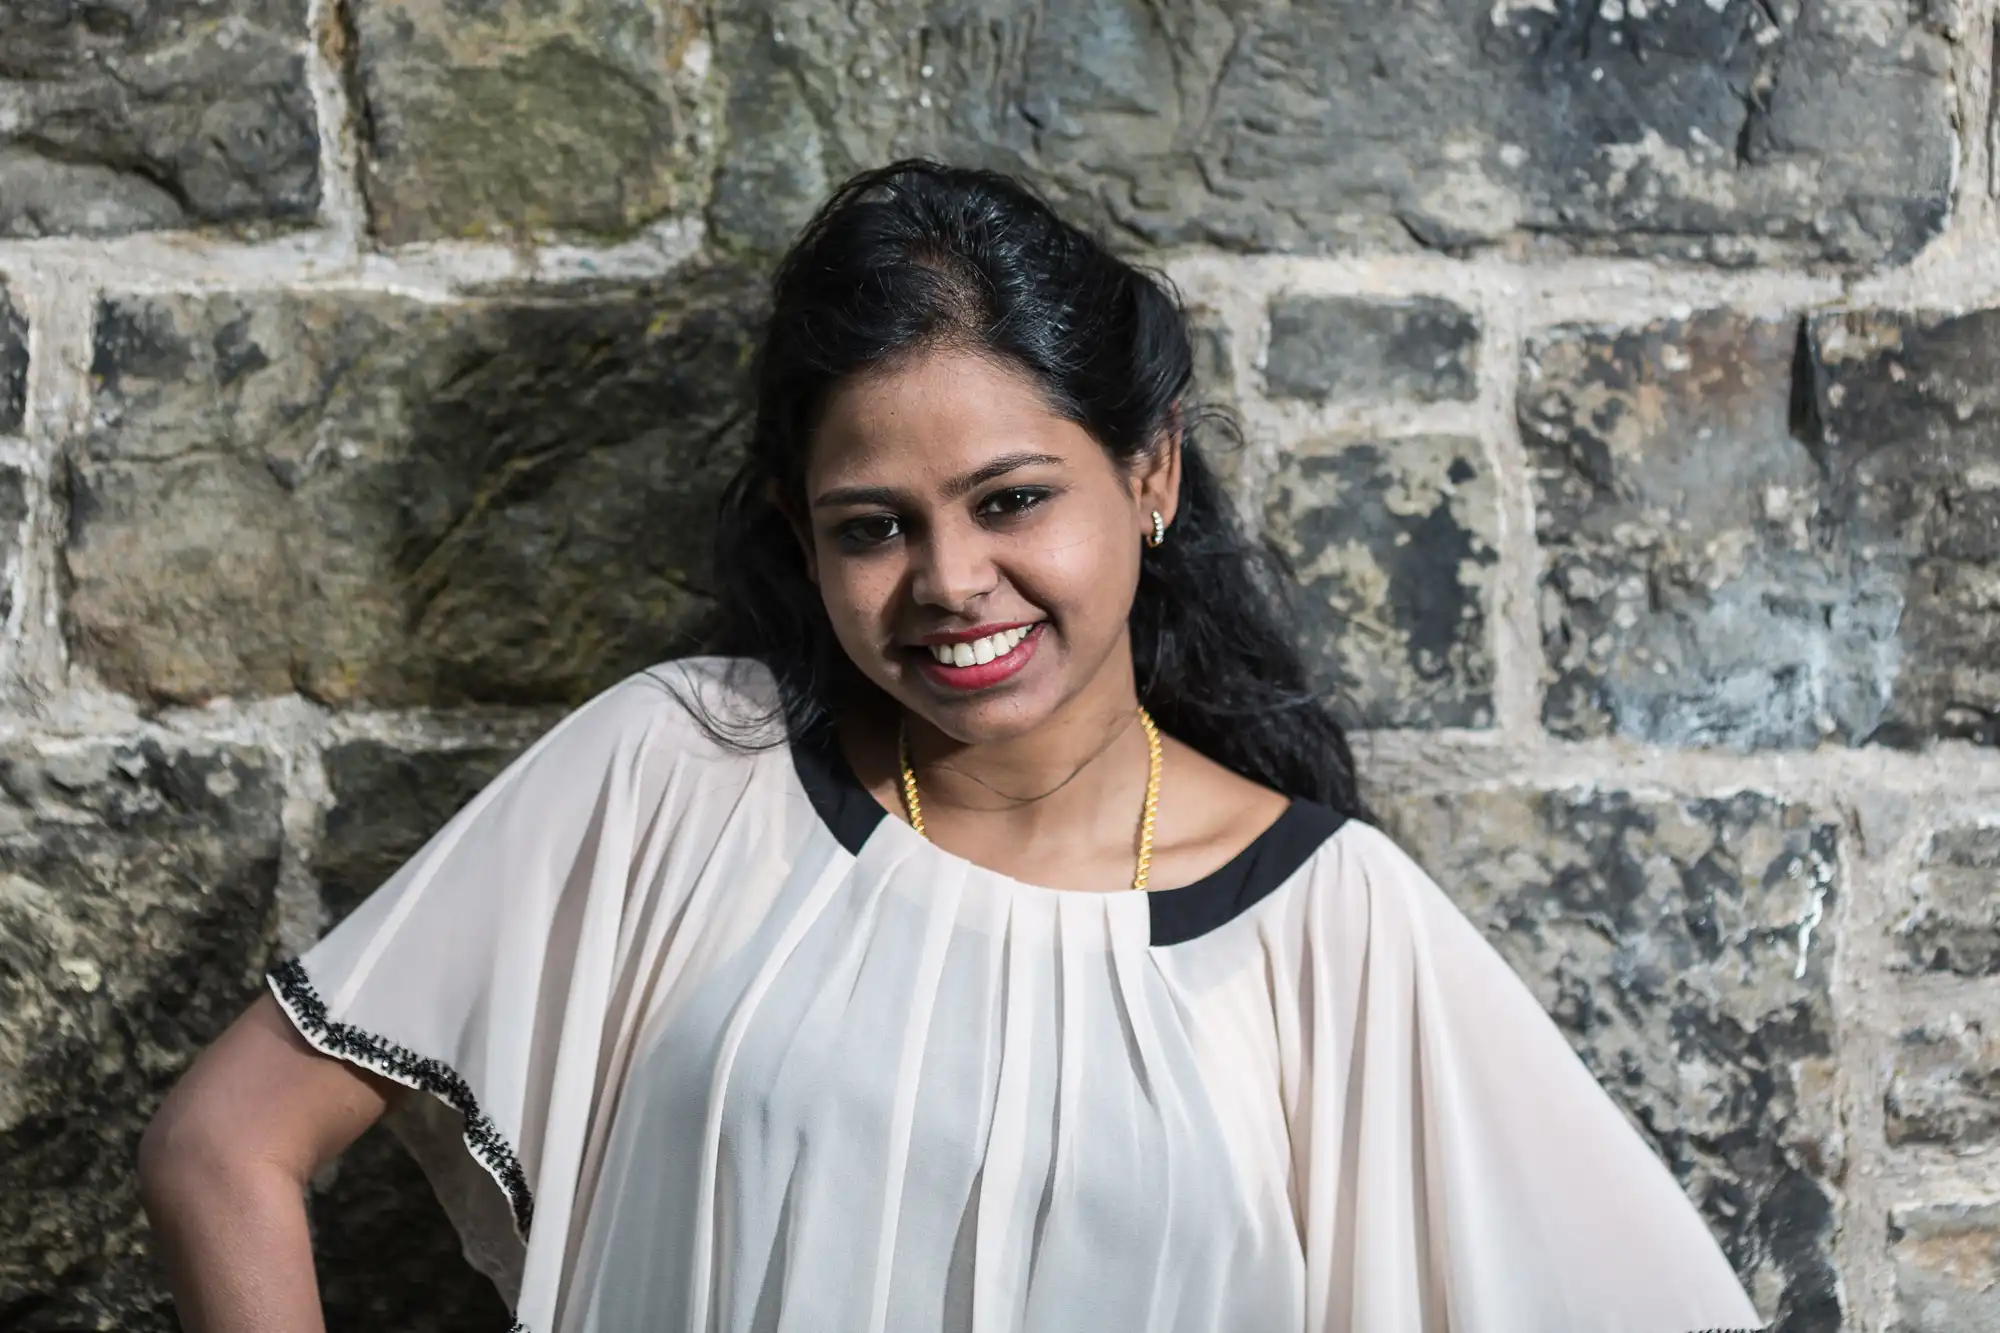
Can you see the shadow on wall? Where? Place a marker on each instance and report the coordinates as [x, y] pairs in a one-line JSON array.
[[374, 500]]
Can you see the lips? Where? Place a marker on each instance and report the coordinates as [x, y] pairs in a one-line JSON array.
[[1005, 651], [980, 651]]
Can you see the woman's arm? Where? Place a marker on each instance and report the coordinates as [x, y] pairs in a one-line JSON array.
[[223, 1168]]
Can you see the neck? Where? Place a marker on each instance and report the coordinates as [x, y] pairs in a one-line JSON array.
[[1085, 763]]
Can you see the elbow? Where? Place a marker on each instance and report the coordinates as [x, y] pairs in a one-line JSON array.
[[164, 1155], [194, 1152], [178, 1155]]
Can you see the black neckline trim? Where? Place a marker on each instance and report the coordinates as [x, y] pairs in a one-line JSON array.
[[851, 813], [1253, 874], [846, 807]]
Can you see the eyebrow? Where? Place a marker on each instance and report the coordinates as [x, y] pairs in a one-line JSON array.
[[953, 489]]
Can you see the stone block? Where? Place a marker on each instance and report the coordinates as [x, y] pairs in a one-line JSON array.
[[1953, 922], [367, 498], [13, 365], [1349, 349], [137, 910], [126, 116], [1766, 538], [517, 119], [1946, 1259], [1697, 589], [1732, 130], [1906, 425], [1393, 542], [1944, 1085], [386, 803], [1684, 948]]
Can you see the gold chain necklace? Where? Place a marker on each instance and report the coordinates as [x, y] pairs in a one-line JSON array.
[[1145, 863]]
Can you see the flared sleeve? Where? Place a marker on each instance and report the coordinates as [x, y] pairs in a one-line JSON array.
[[1457, 1168], [481, 972]]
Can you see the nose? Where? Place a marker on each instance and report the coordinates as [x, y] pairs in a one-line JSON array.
[[952, 569]]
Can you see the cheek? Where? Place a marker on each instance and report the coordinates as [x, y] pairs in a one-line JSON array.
[[859, 596], [1083, 572]]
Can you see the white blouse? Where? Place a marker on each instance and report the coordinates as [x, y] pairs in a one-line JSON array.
[[714, 1043]]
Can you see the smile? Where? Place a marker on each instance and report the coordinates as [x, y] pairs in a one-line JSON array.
[[980, 651], [976, 664]]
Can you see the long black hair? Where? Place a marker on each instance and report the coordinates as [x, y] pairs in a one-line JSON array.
[[916, 256]]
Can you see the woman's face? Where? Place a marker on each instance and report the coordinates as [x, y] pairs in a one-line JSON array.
[[977, 554]]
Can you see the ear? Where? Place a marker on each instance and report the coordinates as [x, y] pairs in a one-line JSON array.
[[1156, 475], [801, 530]]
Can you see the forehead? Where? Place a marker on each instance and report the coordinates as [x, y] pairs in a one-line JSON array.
[[938, 415]]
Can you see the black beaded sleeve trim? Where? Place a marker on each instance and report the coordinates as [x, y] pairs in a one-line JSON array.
[[489, 1147]]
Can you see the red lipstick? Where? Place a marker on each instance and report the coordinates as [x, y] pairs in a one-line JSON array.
[[978, 676], [976, 632]]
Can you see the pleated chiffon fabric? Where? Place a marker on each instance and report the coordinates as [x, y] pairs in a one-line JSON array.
[[712, 1043]]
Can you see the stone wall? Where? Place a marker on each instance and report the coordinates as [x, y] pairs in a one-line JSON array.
[[1623, 376]]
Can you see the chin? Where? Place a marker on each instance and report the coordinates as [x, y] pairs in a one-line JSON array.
[[991, 723], [982, 716]]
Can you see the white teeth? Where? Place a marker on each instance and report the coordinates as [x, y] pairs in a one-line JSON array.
[[980, 651]]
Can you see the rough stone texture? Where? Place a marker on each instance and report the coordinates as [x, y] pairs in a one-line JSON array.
[[388, 1254], [1758, 541], [1393, 544], [13, 517], [1349, 349], [128, 115], [1906, 425], [1947, 1266], [386, 803], [1944, 1087], [1760, 529], [513, 117], [1214, 359], [13, 365], [1953, 922], [1694, 592], [1722, 130], [1218, 424], [136, 913], [1665, 937], [367, 498]]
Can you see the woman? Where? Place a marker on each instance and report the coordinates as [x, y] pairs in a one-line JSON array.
[[988, 935]]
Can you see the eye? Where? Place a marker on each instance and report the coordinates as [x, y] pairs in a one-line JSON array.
[[1013, 501], [870, 530]]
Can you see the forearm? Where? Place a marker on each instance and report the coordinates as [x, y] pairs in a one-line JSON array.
[[234, 1242]]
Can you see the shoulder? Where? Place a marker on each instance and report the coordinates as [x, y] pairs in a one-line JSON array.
[[1360, 857], [715, 708], [733, 693], [1366, 884], [1364, 848], [1342, 873], [1207, 813]]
